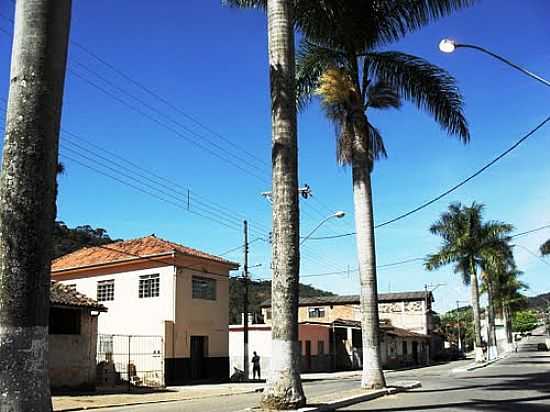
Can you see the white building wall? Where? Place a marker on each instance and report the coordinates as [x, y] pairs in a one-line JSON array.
[[127, 313], [259, 340]]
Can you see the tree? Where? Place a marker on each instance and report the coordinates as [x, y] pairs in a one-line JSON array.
[[27, 200], [508, 296], [496, 262], [545, 248], [467, 243], [351, 76], [284, 387], [524, 321]]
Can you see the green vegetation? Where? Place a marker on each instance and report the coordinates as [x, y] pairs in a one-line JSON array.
[[524, 321], [67, 240], [447, 324]]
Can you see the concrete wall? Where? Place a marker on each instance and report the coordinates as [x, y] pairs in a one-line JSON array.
[[72, 358], [259, 340]]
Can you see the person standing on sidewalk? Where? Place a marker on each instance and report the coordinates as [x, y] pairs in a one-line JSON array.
[[256, 366]]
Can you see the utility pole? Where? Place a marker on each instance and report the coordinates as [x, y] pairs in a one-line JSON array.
[[458, 324], [245, 304]]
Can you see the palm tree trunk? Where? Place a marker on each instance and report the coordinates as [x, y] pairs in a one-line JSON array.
[[477, 321], [507, 331], [284, 387], [373, 376], [27, 200], [509, 334], [491, 332]]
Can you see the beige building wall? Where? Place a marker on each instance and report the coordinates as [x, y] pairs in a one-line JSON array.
[[201, 317], [72, 358], [410, 315]]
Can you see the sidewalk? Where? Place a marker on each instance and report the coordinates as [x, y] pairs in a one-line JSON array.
[[193, 392], [170, 394]]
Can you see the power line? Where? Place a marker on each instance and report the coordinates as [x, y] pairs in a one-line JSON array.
[[452, 189], [159, 112]]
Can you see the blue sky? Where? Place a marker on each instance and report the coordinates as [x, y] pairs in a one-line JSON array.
[[210, 63]]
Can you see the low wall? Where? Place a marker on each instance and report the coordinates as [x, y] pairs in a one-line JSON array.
[[72, 358]]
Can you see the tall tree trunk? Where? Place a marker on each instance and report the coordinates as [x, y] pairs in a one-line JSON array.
[[373, 376], [508, 323], [507, 331], [475, 308], [284, 387], [27, 200], [491, 331]]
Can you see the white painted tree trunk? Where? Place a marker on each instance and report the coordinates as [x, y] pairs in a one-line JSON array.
[[478, 350], [27, 200], [284, 387], [492, 351], [373, 376]]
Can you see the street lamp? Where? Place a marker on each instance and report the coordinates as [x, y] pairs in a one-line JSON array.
[[449, 46], [338, 215]]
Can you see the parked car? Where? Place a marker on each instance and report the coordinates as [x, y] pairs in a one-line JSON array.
[[542, 347]]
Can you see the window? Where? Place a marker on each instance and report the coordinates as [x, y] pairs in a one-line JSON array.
[[204, 288], [316, 312], [105, 290], [320, 347], [64, 321], [149, 286], [404, 347]]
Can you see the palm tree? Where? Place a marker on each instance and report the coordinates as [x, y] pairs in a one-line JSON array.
[[27, 200], [545, 248], [359, 27], [468, 243], [508, 296], [284, 387], [350, 80], [496, 262]]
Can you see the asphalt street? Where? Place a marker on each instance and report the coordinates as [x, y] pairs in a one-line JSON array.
[[519, 383]]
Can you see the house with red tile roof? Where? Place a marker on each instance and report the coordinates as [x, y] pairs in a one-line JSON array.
[[156, 288]]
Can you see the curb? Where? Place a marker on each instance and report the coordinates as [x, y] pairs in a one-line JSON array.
[[352, 400], [474, 366]]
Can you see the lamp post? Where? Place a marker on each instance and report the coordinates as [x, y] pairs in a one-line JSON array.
[[338, 215], [449, 46]]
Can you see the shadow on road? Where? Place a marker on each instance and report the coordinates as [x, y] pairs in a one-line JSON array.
[[505, 405]]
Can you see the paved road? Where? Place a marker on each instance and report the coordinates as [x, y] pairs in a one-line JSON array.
[[520, 383]]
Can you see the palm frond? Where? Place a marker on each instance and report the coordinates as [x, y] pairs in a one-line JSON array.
[[429, 87], [311, 62], [259, 4], [364, 25], [545, 248], [376, 145], [382, 96]]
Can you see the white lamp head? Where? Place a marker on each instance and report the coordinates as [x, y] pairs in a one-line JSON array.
[[340, 214], [447, 46]]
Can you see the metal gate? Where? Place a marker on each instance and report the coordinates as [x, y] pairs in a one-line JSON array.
[[130, 360]]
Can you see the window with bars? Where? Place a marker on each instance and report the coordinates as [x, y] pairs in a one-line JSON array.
[[204, 288], [149, 286], [318, 312], [105, 290]]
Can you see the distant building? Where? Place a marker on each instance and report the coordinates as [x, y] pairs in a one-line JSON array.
[[169, 301], [330, 332], [72, 338]]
